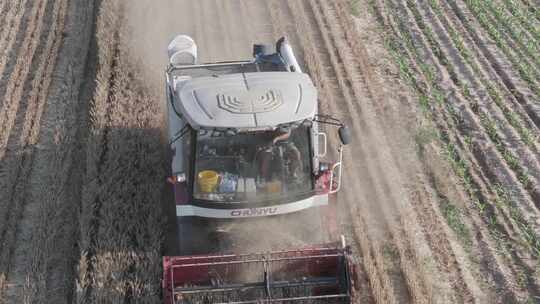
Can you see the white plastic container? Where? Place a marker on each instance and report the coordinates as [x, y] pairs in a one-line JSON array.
[[251, 188], [182, 50]]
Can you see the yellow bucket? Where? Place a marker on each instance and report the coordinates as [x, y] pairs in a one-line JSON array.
[[208, 180], [273, 187]]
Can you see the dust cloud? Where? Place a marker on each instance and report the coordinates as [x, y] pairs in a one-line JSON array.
[[151, 25]]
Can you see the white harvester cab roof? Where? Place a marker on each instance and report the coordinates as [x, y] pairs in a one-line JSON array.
[[246, 100]]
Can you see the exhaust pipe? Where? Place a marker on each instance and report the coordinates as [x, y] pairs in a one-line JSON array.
[[285, 50]]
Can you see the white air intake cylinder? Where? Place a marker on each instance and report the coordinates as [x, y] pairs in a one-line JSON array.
[[182, 50], [287, 54]]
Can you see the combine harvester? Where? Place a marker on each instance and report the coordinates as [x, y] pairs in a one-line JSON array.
[[246, 146]]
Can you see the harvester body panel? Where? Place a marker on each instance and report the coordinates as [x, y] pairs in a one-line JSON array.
[[247, 153], [246, 100]]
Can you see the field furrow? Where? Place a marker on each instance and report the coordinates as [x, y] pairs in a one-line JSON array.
[[516, 153], [511, 77], [463, 291], [13, 18], [517, 216], [517, 30], [4, 9], [414, 280], [498, 87], [21, 218], [378, 288], [15, 85], [7, 181], [468, 116], [527, 19], [483, 23]]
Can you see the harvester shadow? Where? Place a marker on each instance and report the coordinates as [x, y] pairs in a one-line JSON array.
[[125, 215]]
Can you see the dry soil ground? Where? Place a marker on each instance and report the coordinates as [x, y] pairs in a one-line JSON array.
[[440, 200]]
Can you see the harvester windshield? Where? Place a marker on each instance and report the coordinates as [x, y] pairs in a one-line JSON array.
[[253, 166]]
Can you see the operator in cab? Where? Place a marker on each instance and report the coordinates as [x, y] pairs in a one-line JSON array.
[[254, 166], [270, 163]]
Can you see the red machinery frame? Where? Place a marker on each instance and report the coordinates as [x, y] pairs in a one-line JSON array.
[[322, 274]]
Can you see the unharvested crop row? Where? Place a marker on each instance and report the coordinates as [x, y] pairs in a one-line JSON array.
[[410, 51], [90, 204], [121, 226]]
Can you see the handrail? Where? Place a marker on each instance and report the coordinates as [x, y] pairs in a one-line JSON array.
[[172, 68], [336, 165]]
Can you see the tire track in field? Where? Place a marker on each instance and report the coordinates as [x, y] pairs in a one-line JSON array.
[[7, 112], [96, 150], [366, 70], [29, 136], [422, 199], [405, 284], [201, 30], [371, 284], [218, 30], [121, 227]]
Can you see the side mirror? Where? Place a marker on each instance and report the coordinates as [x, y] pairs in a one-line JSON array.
[[344, 135], [324, 166]]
